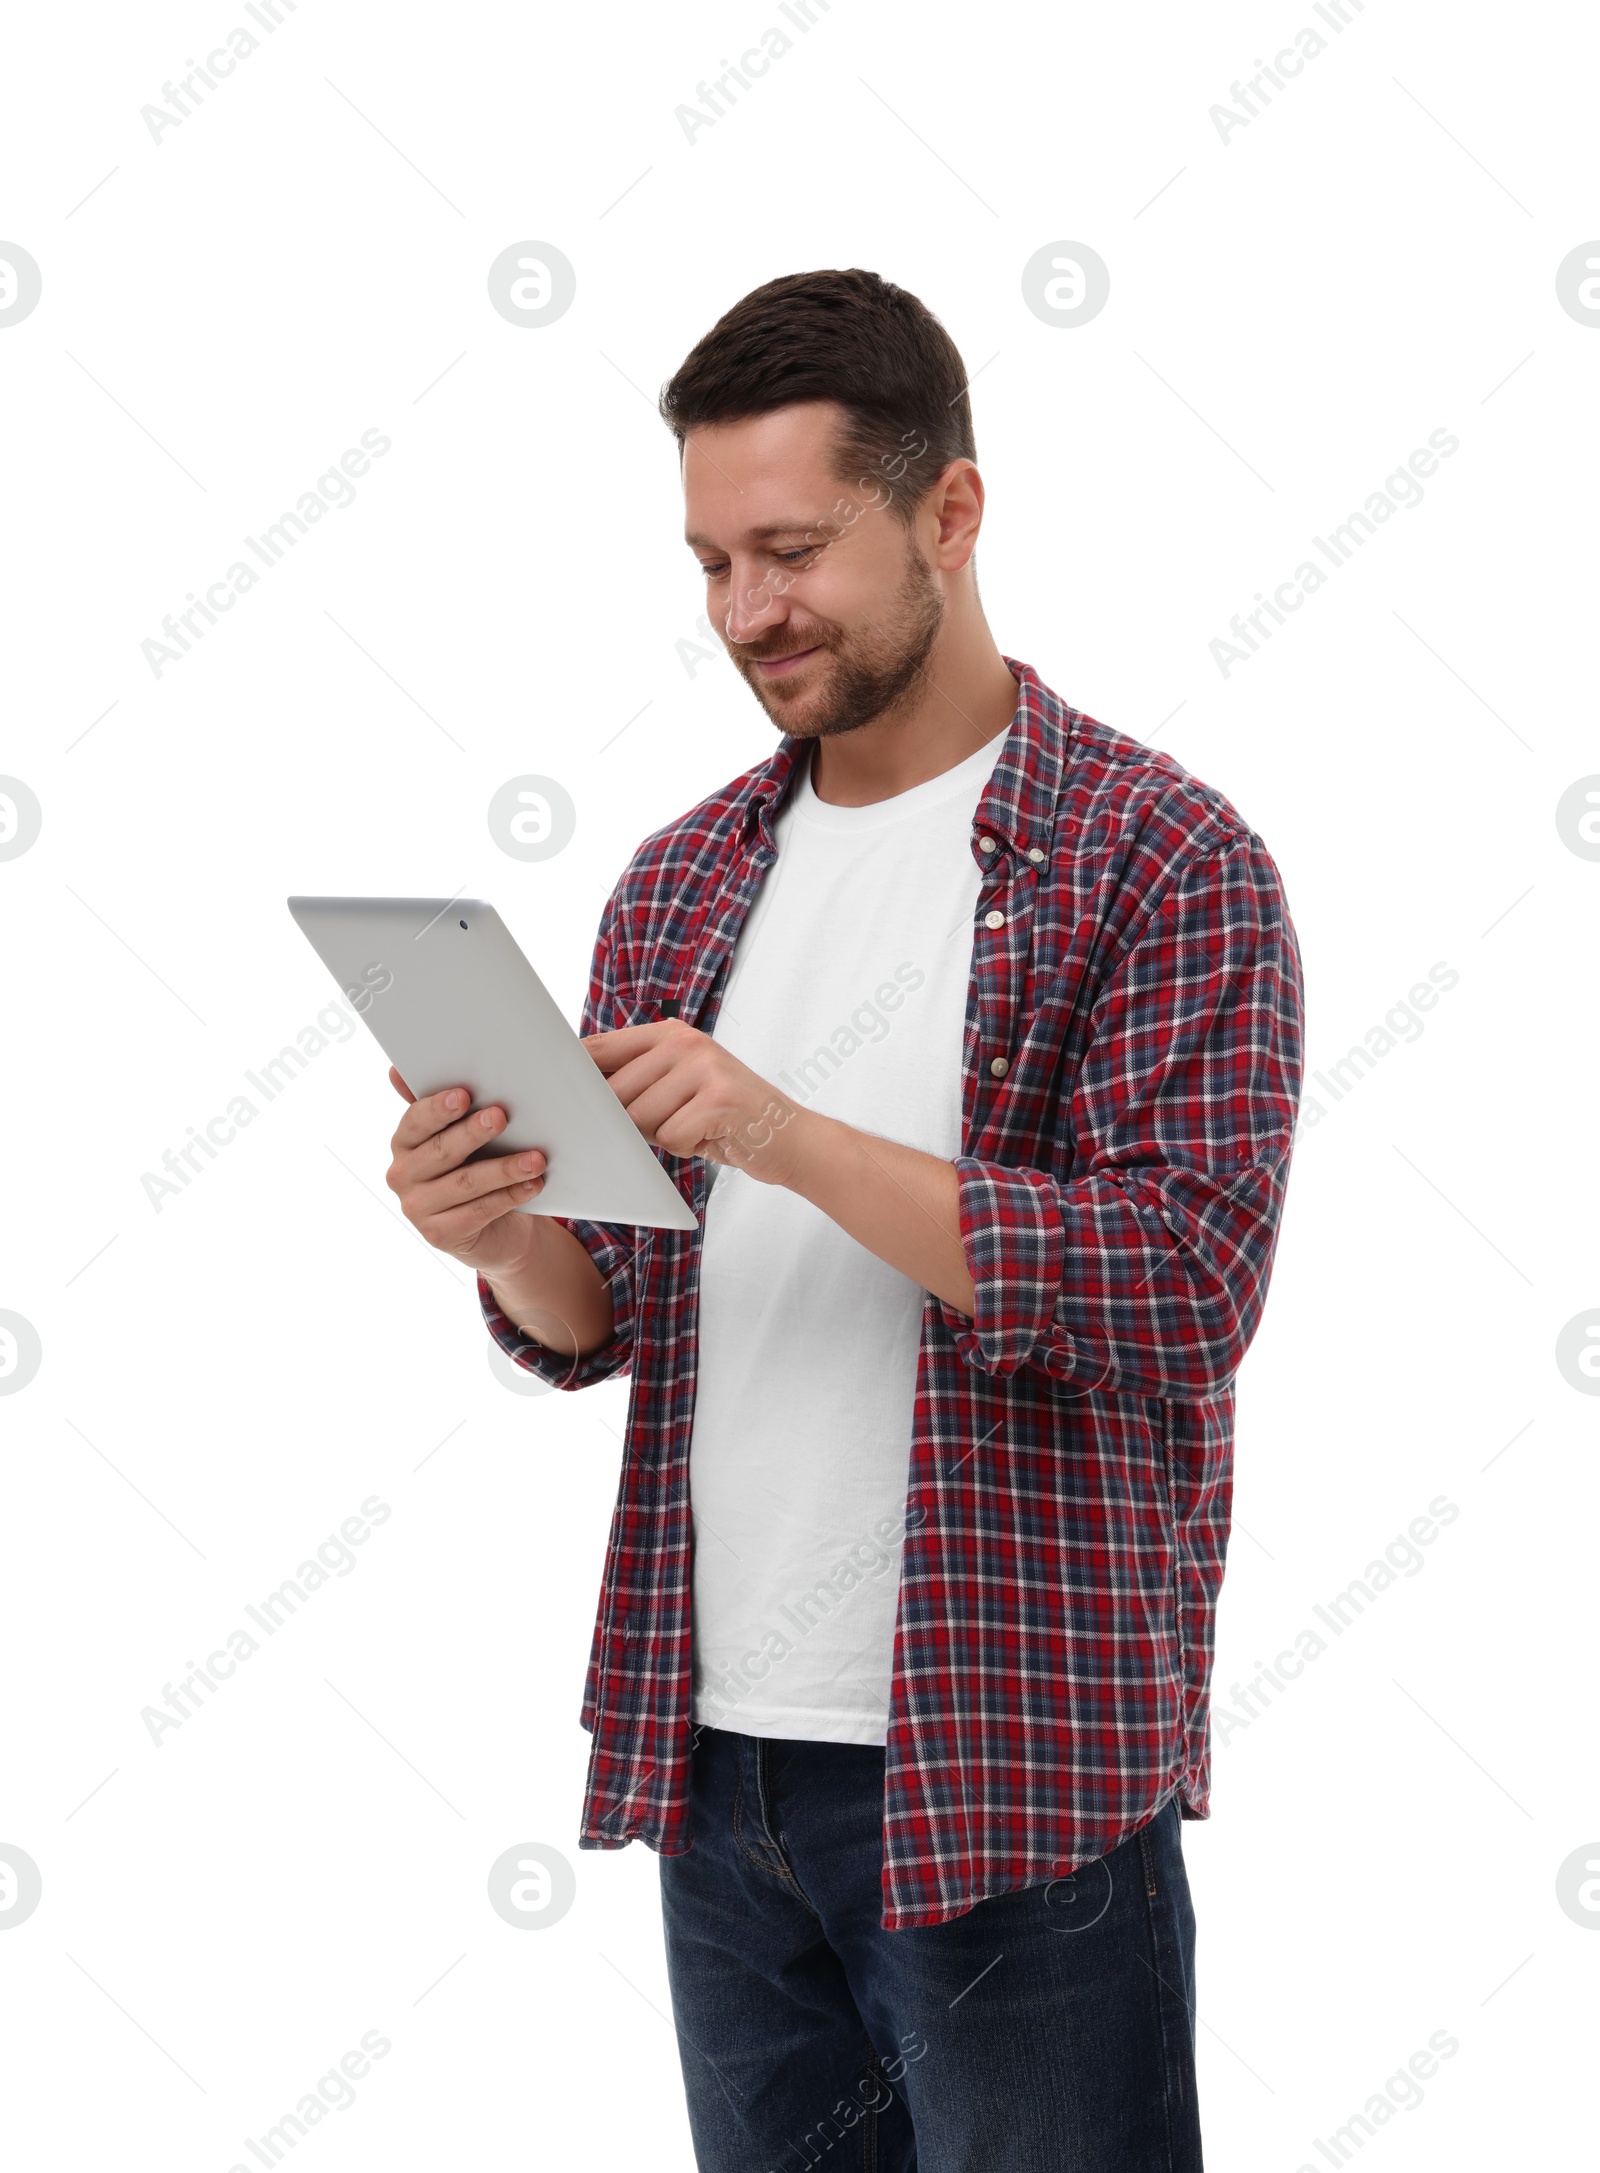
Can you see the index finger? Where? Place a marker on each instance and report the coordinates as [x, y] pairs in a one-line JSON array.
[[611, 1051]]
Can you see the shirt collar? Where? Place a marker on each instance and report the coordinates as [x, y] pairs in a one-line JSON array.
[[1018, 804]]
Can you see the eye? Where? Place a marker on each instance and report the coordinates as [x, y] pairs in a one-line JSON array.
[[714, 570], [796, 558]]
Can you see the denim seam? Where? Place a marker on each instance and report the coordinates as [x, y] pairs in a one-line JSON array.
[[779, 1844], [1160, 1989], [869, 2140], [776, 1871]]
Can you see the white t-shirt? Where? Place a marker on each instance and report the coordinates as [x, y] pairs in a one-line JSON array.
[[847, 988]]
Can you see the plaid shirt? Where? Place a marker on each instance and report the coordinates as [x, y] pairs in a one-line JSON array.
[[1129, 1090]]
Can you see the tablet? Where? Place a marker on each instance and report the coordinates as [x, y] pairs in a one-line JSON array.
[[450, 999]]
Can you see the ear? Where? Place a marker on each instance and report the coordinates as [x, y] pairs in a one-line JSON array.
[[956, 506]]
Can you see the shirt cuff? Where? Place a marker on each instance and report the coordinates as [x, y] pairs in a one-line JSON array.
[[556, 1367], [1016, 1248]]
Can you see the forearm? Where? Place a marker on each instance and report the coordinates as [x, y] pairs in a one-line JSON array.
[[898, 1202], [558, 1296]]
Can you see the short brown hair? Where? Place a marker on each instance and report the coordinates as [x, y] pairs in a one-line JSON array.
[[849, 337]]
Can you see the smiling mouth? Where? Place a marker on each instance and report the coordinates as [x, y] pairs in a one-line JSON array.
[[776, 667]]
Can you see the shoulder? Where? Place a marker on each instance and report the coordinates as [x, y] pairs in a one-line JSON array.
[[1150, 825], [1134, 830], [1121, 789]]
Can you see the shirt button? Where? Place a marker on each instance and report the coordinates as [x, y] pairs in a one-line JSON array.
[[994, 920], [1035, 855], [998, 1067], [986, 845]]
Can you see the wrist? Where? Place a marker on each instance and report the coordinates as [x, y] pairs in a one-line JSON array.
[[815, 1144]]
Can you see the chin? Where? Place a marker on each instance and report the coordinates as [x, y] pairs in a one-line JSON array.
[[787, 704]]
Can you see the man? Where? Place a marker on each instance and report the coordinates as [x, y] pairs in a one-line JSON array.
[[971, 1029]]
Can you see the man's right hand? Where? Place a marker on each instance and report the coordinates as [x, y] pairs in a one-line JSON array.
[[541, 1275], [463, 1208]]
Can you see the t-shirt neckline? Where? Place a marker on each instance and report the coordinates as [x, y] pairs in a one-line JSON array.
[[966, 777]]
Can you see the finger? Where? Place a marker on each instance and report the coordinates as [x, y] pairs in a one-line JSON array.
[[422, 1119], [664, 1061], [438, 1152], [697, 1127], [442, 1152], [399, 1084], [453, 1225], [440, 1115], [661, 1102], [427, 1196], [611, 1050]]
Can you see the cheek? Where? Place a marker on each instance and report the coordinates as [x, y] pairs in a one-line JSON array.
[[845, 594]]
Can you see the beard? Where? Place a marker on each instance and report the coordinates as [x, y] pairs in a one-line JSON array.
[[866, 674]]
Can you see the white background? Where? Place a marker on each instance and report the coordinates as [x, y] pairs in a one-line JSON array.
[[1292, 311]]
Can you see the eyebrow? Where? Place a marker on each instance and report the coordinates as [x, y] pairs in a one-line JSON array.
[[756, 535]]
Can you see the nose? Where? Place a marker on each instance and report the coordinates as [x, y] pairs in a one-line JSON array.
[[754, 607]]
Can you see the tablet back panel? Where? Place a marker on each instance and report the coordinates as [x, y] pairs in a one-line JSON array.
[[452, 1001]]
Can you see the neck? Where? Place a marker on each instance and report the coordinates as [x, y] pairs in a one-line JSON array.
[[964, 698]]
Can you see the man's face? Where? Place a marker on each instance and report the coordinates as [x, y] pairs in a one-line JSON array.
[[822, 595]]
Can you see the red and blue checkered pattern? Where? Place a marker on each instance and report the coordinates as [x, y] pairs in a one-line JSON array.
[[1131, 1079]]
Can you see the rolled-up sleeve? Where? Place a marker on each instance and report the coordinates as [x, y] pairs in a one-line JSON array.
[[613, 1247], [1147, 1268]]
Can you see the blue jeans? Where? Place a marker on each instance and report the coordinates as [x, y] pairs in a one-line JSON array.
[[1049, 2030]]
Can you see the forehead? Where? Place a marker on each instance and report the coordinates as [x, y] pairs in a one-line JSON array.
[[761, 476]]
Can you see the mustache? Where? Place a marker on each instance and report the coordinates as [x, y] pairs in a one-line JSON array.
[[764, 652]]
